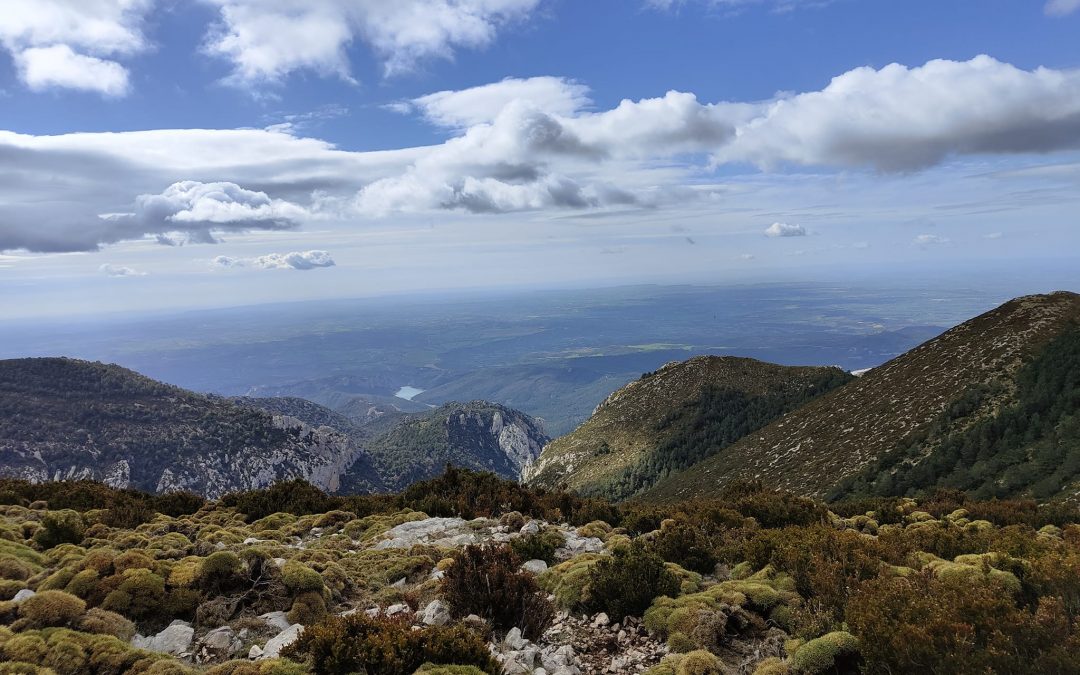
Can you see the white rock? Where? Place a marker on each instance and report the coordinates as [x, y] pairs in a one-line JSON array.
[[175, 639], [436, 614], [255, 652], [513, 639], [273, 647], [22, 595], [535, 566], [601, 619], [220, 642], [400, 583], [276, 620], [395, 609], [531, 527]]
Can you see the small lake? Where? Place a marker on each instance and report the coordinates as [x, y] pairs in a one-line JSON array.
[[408, 393]]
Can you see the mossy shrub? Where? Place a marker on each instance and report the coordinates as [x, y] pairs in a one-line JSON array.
[[139, 595], [104, 622], [699, 662], [219, 572], [60, 527], [299, 578], [835, 652], [307, 608], [51, 608], [539, 546]]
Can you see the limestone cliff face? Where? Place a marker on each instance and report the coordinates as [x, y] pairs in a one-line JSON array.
[[477, 435], [62, 419]]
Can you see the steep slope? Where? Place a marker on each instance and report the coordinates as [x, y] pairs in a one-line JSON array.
[[893, 406], [477, 435], [671, 418], [64, 418]]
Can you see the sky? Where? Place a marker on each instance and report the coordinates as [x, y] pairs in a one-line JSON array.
[[177, 154]]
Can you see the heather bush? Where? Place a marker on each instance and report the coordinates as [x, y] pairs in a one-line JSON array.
[[539, 546], [626, 582], [60, 527], [487, 581], [386, 646]]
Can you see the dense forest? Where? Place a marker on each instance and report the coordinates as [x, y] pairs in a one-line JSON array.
[[711, 422], [993, 442]]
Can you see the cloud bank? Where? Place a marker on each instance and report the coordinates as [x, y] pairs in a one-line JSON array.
[[521, 145], [111, 270], [297, 260]]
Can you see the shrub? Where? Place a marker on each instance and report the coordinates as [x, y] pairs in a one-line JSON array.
[[686, 545], [139, 595], [487, 581], [300, 578], [51, 608], [219, 572], [104, 622], [625, 583], [699, 662], [308, 608], [836, 652], [60, 527], [386, 646], [539, 546]]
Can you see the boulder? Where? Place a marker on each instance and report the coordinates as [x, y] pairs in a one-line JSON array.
[[22, 595], [274, 645], [277, 620], [435, 614], [535, 566], [175, 639]]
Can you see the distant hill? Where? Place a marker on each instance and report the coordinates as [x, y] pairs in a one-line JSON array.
[[668, 420], [959, 410], [476, 435], [64, 418]]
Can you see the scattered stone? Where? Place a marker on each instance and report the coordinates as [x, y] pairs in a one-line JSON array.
[[23, 595], [273, 647], [531, 527], [219, 644], [435, 614], [255, 652], [395, 609], [534, 566], [400, 583], [514, 640], [276, 620], [174, 639]]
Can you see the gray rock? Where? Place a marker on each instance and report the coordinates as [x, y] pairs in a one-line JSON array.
[[175, 639], [531, 527], [396, 609], [273, 647], [534, 566], [513, 639], [276, 620], [435, 614], [400, 583], [255, 652], [23, 595], [600, 620], [218, 643]]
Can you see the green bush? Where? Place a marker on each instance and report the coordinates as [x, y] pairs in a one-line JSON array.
[[386, 646], [626, 582], [686, 545], [539, 546], [219, 572], [487, 581], [836, 652], [299, 578], [60, 527], [307, 608], [51, 608], [104, 622]]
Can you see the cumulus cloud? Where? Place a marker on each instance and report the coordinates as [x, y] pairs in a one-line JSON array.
[[926, 240], [900, 119], [73, 45], [268, 39], [518, 145], [119, 271], [480, 105], [296, 260], [1061, 7], [785, 230]]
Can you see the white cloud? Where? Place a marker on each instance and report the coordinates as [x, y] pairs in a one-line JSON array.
[[43, 68], [777, 5], [296, 260], [925, 240], [269, 39], [993, 235], [73, 45], [480, 105], [900, 119], [518, 145], [1061, 7], [785, 230], [119, 271]]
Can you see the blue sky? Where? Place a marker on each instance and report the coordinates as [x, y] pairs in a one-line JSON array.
[[327, 148]]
